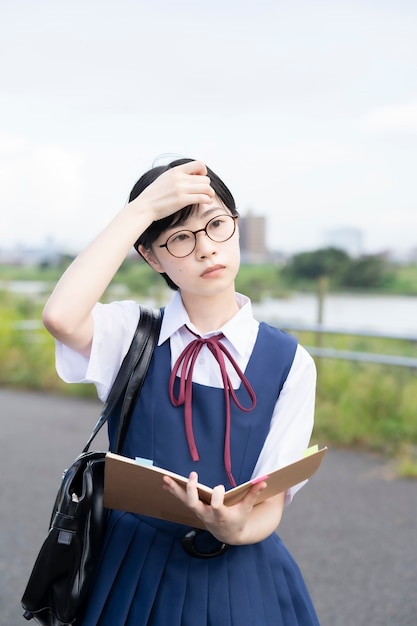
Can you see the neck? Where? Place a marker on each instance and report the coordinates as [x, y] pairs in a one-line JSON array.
[[209, 314]]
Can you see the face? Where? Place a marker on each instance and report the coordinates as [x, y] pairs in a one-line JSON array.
[[211, 267]]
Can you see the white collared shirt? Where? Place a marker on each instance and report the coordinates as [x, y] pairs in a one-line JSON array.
[[114, 326], [239, 344]]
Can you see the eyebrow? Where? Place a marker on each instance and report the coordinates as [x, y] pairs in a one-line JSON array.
[[217, 210], [213, 210]]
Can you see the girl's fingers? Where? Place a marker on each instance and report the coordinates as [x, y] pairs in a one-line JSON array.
[[189, 494], [192, 491], [196, 177], [250, 498], [201, 184], [176, 188], [170, 485], [217, 497], [193, 167], [198, 188]]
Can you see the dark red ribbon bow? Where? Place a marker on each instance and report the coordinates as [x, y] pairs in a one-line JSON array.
[[187, 359]]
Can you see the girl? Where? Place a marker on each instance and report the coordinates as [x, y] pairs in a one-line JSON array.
[[226, 399]]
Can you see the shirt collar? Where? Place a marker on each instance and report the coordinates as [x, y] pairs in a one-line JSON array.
[[175, 316], [235, 330]]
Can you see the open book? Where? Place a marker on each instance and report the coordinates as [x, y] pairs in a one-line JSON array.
[[130, 486]]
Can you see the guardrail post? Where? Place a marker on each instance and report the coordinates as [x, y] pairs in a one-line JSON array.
[[321, 295]]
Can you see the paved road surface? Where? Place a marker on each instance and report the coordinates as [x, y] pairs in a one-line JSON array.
[[353, 529]]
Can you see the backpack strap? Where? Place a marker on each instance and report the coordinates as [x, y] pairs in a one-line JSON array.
[[131, 375]]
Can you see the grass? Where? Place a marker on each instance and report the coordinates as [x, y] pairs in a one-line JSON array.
[[365, 405]]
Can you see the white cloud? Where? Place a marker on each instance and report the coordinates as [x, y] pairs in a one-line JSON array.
[[41, 190], [394, 118]]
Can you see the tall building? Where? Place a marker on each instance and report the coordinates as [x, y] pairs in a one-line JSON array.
[[252, 229]]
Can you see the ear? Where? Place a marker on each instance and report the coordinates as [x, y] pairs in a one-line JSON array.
[[151, 259]]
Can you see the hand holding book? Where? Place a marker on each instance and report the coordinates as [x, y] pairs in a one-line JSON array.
[[139, 489]]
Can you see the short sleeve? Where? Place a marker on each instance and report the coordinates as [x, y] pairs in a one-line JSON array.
[[114, 327], [292, 421]]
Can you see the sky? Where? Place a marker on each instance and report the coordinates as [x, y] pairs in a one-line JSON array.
[[306, 109]]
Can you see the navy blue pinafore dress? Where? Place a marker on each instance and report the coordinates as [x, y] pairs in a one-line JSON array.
[[146, 578]]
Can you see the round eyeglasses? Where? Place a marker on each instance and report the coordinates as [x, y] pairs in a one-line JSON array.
[[183, 242]]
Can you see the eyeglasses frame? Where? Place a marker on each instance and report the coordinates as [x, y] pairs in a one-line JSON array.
[[200, 230]]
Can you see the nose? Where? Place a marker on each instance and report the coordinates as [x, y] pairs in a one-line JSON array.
[[204, 246]]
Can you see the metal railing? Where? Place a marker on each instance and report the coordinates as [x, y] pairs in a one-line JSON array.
[[316, 351], [349, 355]]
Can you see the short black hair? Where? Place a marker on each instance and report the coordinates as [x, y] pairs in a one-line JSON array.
[[151, 234]]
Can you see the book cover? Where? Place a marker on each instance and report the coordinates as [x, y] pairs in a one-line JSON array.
[[137, 488]]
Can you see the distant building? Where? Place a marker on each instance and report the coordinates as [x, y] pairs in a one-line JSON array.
[[412, 256], [252, 229], [30, 256], [350, 240]]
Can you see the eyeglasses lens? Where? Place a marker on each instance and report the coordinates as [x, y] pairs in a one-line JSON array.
[[220, 228]]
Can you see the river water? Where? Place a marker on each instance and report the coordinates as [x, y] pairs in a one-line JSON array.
[[379, 313], [385, 314]]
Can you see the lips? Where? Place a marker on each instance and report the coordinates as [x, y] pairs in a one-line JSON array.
[[212, 270]]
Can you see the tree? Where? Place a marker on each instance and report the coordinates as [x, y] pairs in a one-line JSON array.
[[330, 262], [367, 271]]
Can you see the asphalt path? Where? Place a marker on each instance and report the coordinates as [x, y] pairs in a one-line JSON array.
[[352, 529]]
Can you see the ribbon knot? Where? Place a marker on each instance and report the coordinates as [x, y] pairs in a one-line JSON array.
[[187, 360]]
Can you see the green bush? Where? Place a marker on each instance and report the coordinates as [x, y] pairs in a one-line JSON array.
[[366, 405], [27, 351]]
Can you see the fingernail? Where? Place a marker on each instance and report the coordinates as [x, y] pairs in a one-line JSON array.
[[255, 481]]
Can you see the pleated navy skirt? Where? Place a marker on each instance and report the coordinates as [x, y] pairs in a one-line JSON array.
[[147, 579]]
